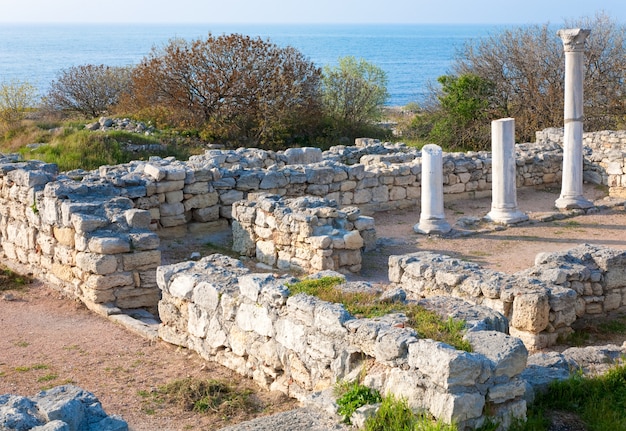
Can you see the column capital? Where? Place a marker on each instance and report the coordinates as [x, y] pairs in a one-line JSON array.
[[573, 38]]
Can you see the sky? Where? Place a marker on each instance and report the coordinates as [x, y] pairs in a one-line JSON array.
[[307, 11]]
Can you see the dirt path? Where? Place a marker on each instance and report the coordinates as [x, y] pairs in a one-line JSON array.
[[47, 340]]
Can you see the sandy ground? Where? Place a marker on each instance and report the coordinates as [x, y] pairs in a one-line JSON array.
[[47, 340]]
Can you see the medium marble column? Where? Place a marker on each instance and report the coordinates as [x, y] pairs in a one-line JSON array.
[[432, 217], [503, 174], [572, 182]]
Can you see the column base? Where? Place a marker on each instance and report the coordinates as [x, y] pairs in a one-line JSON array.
[[572, 202], [429, 226], [506, 216]]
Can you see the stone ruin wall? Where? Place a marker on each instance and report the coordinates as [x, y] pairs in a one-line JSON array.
[[304, 234], [300, 344], [541, 303], [72, 228], [605, 157], [69, 227]]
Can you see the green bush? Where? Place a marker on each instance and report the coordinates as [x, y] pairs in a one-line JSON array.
[[355, 395]]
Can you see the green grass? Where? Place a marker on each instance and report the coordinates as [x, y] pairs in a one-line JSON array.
[[351, 396], [10, 280], [599, 401], [48, 377], [201, 396], [426, 323], [395, 414]]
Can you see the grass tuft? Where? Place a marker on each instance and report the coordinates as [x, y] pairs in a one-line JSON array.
[[205, 395], [352, 396], [427, 324]]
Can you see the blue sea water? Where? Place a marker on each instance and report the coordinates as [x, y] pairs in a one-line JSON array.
[[411, 55]]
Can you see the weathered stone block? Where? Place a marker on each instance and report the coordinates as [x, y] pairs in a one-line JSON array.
[[251, 317], [109, 245], [64, 235], [508, 354], [141, 260], [96, 263], [531, 312]]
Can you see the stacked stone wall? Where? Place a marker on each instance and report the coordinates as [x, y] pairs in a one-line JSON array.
[[303, 234], [84, 237], [605, 156], [542, 303], [300, 344], [38, 202]]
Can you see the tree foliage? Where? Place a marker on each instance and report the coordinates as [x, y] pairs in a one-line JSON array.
[[526, 67], [463, 119], [353, 93], [90, 90], [234, 88], [15, 98]]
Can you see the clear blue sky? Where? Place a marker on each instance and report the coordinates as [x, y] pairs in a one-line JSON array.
[[307, 11]]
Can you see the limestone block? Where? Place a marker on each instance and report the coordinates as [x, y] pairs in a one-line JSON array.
[[158, 173], [169, 210], [174, 196], [182, 284], [198, 323], [380, 194], [507, 354], [251, 317], [531, 312], [393, 343], [362, 196], [205, 215], [201, 201], [132, 297], [612, 300], [249, 181], [171, 221], [266, 252], [533, 341], [64, 235], [273, 180], [207, 296], [320, 242], [455, 408], [174, 173], [98, 296], [330, 318], [215, 335], [353, 240], [250, 285], [96, 263], [64, 272], [291, 335], [109, 245], [197, 188], [444, 365], [84, 223], [141, 260], [231, 196], [144, 240], [561, 298], [303, 156], [302, 307], [169, 186], [103, 282]]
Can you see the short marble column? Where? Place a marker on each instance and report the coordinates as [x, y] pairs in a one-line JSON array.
[[432, 217], [572, 182], [503, 174]]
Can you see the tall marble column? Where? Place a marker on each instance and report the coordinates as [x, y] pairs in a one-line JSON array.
[[432, 216], [503, 174], [572, 182]]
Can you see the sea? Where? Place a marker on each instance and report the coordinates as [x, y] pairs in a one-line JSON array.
[[412, 55]]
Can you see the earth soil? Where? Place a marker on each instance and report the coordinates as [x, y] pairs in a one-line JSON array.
[[48, 340]]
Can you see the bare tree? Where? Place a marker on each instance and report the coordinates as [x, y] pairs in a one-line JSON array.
[[90, 90], [526, 66]]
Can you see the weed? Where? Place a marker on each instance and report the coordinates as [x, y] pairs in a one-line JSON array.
[[48, 377], [353, 396], [577, 338], [10, 280], [21, 344], [395, 414], [365, 304], [205, 395], [599, 400]]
